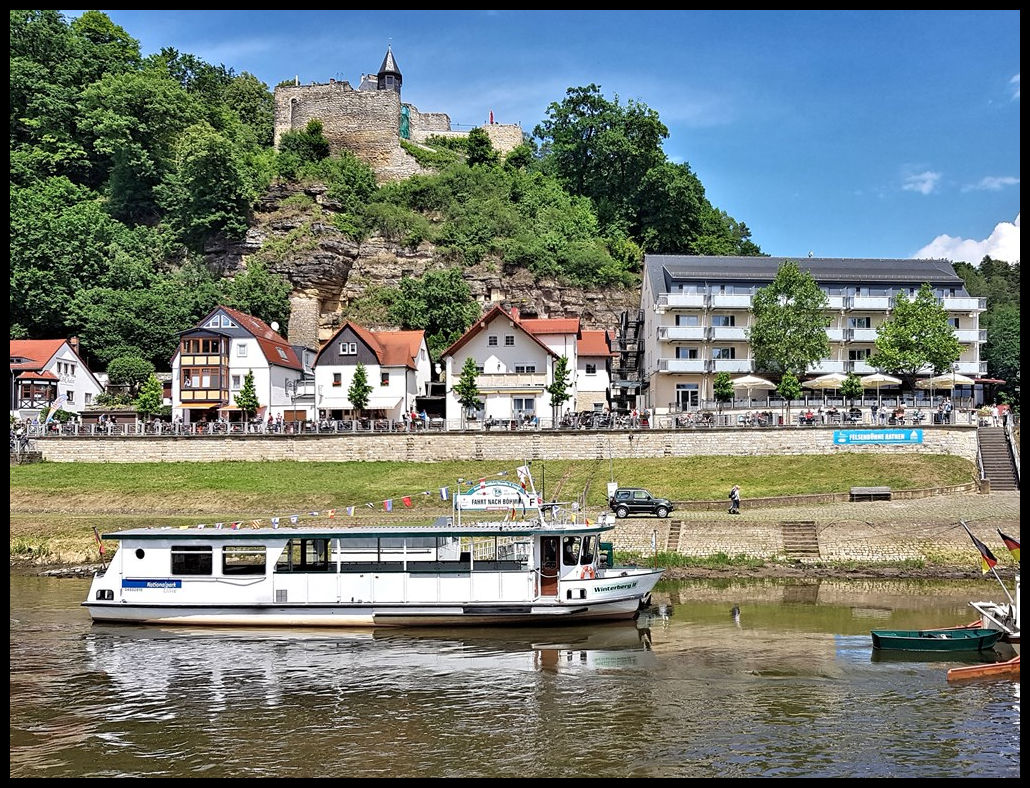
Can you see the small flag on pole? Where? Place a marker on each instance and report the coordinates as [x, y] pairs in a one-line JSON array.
[[332, 513], [275, 522], [987, 559], [388, 505], [407, 501], [1011, 544], [444, 494], [350, 511]]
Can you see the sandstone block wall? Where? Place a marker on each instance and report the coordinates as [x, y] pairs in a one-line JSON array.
[[493, 446]]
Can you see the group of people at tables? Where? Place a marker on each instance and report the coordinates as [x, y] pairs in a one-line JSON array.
[[829, 416]]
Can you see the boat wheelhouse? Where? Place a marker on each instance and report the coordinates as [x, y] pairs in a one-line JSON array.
[[552, 567]]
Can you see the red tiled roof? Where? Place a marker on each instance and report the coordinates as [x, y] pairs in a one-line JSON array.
[[498, 311], [37, 376], [37, 350], [268, 340], [551, 325], [594, 343], [391, 348]]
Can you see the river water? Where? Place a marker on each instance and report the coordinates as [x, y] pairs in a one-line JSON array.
[[790, 687]]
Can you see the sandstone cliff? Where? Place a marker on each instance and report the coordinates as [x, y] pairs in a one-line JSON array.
[[293, 234]]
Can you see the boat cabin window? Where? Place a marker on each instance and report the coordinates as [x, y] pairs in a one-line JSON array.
[[570, 550], [243, 560], [304, 555], [190, 559], [578, 550]]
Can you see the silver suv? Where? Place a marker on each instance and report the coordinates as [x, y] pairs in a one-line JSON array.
[[636, 500]]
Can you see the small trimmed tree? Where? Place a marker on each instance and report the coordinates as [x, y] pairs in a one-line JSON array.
[[559, 388], [851, 387], [789, 389], [359, 390], [467, 389], [247, 400], [150, 401], [723, 388], [130, 371]]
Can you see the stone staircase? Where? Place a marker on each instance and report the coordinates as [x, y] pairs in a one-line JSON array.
[[800, 539], [999, 467], [673, 542]]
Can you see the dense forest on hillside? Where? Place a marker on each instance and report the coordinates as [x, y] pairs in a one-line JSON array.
[[125, 169]]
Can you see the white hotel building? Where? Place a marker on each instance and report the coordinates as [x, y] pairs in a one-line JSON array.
[[696, 314]]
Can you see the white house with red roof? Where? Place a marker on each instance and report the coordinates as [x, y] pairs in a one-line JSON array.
[[515, 359], [44, 371], [593, 370], [212, 362], [397, 367]]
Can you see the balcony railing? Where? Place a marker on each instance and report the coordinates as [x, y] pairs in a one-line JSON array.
[[681, 365], [970, 336], [731, 333], [680, 333], [509, 380], [963, 304], [731, 300], [681, 301]]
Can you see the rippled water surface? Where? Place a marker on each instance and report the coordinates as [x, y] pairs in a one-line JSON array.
[[788, 688]]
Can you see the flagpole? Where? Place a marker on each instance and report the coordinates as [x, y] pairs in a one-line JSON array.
[[1003, 588], [980, 548]]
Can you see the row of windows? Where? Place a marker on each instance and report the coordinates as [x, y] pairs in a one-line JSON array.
[[197, 346], [509, 340], [64, 368], [750, 290], [723, 321], [384, 379], [858, 354]]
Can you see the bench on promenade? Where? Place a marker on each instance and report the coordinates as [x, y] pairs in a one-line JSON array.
[[870, 493]]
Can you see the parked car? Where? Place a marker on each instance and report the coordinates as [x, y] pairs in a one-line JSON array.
[[636, 500]]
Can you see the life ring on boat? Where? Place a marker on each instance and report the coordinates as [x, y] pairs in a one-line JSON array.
[[587, 573]]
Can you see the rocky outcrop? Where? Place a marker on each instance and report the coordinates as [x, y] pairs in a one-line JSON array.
[[292, 232]]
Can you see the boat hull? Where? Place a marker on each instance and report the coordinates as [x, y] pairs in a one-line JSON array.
[[936, 640], [377, 615]]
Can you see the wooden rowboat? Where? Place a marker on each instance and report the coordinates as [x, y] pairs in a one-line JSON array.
[[936, 639], [994, 670]]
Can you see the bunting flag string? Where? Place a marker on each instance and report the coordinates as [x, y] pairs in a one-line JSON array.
[[444, 492]]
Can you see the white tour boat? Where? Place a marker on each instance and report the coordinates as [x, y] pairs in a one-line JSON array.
[[548, 567]]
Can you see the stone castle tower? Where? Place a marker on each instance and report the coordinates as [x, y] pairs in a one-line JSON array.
[[370, 120]]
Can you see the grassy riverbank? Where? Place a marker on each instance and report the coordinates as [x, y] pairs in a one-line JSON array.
[[54, 507]]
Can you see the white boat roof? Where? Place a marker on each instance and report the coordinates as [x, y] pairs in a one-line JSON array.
[[443, 526]]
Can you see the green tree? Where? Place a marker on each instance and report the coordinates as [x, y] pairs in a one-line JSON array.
[[259, 292], [359, 390], [129, 371], [851, 387], [297, 148], [150, 401], [559, 388], [467, 389], [788, 328], [254, 105], [247, 400], [723, 388], [789, 389], [440, 303], [479, 148], [206, 193], [916, 336]]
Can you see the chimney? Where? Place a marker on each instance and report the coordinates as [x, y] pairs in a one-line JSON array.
[[73, 343]]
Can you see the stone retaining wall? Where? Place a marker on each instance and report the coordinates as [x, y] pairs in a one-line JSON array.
[[531, 445]]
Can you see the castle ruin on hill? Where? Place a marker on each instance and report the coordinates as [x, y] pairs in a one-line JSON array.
[[371, 120]]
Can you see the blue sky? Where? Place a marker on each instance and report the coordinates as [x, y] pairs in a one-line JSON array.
[[884, 134]]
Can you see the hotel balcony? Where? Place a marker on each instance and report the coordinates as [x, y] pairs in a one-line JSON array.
[[836, 334], [731, 301], [682, 365], [837, 302], [732, 365], [963, 304], [970, 336], [874, 303], [861, 335], [681, 301], [728, 333], [681, 333], [504, 381], [826, 366]]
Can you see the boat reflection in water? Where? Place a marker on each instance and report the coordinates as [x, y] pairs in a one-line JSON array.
[[151, 662]]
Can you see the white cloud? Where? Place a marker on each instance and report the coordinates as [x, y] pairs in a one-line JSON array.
[[1014, 82], [923, 182], [1002, 244], [991, 184]]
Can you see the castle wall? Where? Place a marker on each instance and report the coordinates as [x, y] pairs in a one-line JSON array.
[[505, 137], [366, 123], [423, 124]]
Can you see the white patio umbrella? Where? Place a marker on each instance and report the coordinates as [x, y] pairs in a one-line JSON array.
[[878, 379], [945, 381], [831, 380], [752, 383]]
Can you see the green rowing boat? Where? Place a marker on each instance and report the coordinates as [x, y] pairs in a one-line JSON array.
[[936, 639]]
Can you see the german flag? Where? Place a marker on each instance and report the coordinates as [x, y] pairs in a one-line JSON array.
[[1011, 544], [987, 559]]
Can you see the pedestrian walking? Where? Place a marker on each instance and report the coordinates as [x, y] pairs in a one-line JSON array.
[[734, 500]]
